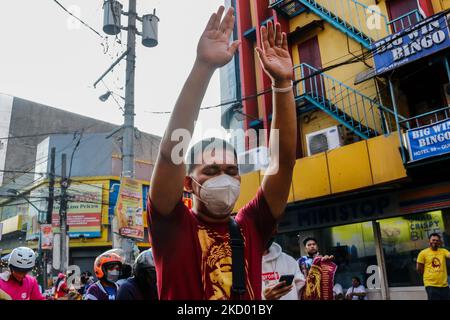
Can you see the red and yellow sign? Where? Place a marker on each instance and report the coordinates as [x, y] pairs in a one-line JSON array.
[[47, 236], [84, 211]]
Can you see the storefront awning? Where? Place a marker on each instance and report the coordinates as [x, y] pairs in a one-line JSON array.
[[365, 75]]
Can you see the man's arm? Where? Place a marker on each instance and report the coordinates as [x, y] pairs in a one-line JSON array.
[[213, 51], [359, 294], [276, 62], [447, 254]]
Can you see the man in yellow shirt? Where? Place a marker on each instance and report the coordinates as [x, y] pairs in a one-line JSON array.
[[431, 262]]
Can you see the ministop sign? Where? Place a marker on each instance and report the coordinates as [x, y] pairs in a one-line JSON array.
[[429, 141], [420, 40]]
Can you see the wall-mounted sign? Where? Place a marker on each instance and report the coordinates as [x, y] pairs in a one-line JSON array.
[[429, 141], [422, 39], [129, 209], [46, 236], [84, 210]]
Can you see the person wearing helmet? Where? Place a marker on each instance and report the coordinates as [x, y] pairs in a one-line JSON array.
[[142, 286], [107, 267], [16, 283]]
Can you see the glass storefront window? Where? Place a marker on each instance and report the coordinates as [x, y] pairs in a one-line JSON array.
[[354, 246], [404, 237]]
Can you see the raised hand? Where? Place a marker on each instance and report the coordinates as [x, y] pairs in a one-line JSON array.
[[213, 48], [274, 55]]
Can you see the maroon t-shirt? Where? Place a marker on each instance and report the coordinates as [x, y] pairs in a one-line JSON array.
[[193, 257]]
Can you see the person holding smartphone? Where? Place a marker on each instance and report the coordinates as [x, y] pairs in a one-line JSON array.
[[281, 275]]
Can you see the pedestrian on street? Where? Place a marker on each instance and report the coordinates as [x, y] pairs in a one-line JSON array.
[[431, 263], [16, 284], [61, 288], [356, 291], [319, 272], [338, 292], [107, 268], [191, 247], [142, 286], [312, 251], [275, 265]]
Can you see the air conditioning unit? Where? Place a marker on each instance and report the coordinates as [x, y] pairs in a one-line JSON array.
[[253, 160], [324, 140], [447, 92]]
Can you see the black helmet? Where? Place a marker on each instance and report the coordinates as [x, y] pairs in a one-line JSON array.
[[144, 261]]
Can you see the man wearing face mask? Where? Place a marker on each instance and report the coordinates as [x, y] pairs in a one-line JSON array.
[[192, 251], [107, 268]]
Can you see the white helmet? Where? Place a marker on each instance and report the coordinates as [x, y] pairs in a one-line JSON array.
[[22, 258]]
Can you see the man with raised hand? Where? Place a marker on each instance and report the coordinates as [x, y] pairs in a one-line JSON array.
[[193, 256]]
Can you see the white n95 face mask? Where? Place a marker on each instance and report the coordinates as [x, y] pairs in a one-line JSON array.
[[219, 194], [112, 276]]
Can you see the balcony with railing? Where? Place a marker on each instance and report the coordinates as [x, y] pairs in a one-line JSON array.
[[361, 114]]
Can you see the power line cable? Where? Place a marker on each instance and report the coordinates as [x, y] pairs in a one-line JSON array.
[[355, 59], [77, 18]]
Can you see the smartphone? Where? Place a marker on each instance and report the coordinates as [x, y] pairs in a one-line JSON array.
[[288, 278]]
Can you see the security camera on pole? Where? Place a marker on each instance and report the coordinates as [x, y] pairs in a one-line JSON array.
[[112, 26]]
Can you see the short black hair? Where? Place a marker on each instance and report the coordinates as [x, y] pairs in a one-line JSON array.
[[357, 279], [126, 272], [434, 235], [205, 144], [305, 241]]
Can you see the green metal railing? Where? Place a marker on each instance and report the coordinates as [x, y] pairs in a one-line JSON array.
[[365, 24], [358, 112], [405, 21], [426, 118]]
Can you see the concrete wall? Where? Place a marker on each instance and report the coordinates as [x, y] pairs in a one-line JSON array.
[[5, 120], [405, 293]]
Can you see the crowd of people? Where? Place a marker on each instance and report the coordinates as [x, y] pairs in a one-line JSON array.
[[283, 277], [115, 280]]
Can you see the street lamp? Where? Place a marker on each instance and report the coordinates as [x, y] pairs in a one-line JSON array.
[[19, 195], [42, 264]]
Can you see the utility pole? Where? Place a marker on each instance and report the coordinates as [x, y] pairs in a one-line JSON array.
[[127, 244], [63, 215], [112, 26], [128, 128], [51, 186]]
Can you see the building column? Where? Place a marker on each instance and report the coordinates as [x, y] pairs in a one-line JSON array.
[[447, 67], [380, 261]]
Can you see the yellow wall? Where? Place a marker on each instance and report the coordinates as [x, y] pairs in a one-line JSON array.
[[335, 48], [384, 157], [12, 224], [440, 5], [349, 167], [249, 186]]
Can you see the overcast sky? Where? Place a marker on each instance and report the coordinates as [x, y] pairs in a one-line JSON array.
[[45, 56]]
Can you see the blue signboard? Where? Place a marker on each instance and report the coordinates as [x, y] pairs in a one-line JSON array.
[[422, 39], [429, 141]]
